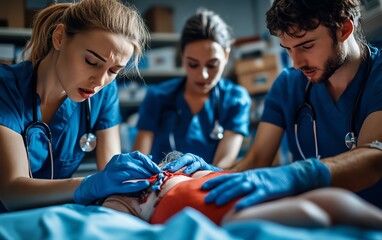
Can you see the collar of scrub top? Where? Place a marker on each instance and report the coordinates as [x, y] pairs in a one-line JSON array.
[[217, 132], [87, 141], [350, 137]]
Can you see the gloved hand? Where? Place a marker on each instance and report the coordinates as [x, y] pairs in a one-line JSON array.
[[264, 184], [192, 162], [111, 180]]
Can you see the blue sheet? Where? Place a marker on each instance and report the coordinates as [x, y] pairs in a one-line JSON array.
[[72, 221]]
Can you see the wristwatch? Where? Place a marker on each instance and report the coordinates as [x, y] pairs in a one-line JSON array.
[[375, 144]]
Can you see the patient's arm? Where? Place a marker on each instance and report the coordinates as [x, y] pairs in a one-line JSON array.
[[317, 208], [286, 211], [120, 204], [345, 207], [133, 205]]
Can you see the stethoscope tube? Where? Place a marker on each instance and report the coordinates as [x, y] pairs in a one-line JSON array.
[[217, 132], [310, 108], [350, 137], [87, 141], [38, 124]]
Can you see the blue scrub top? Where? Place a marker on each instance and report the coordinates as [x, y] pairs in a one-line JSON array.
[[332, 118], [165, 110], [67, 125]]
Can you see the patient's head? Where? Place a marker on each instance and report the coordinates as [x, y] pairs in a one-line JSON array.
[[170, 157], [140, 204]]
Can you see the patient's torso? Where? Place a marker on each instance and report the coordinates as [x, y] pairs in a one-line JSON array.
[[189, 194]]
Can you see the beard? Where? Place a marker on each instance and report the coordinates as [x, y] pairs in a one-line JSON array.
[[334, 62]]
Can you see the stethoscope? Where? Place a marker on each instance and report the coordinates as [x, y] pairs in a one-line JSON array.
[[88, 141], [217, 132], [350, 137]]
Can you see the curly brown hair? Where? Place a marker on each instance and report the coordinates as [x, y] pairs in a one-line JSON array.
[[295, 17]]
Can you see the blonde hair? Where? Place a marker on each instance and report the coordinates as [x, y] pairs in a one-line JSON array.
[[108, 15]]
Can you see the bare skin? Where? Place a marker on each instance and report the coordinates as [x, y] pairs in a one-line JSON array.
[[318, 208]]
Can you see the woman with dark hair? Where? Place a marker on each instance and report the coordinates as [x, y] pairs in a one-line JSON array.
[[202, 112]]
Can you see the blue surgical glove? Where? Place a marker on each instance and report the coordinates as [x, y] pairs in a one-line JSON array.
[[264, 184], [192, 163], [111, 180]]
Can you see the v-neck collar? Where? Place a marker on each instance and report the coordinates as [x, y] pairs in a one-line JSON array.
[[343, 105], [62, 116]]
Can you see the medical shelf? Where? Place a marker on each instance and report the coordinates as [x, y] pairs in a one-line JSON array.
[[157, 39], [158, 76], [17, 36], [161, 59], [163, 39], [15, 32], [178, 71]]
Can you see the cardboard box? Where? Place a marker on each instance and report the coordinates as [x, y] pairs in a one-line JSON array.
[[246, 66], [258, 82], [12, 13], [249, 49], [159, 19], [161, 58]]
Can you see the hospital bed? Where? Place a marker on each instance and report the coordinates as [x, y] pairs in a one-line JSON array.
[[72, 221]]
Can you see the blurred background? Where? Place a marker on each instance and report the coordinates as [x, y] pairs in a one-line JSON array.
[[255, 62]]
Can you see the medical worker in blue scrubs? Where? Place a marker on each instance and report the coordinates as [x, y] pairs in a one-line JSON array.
[[201, 113], [328, 103], [74, 55]]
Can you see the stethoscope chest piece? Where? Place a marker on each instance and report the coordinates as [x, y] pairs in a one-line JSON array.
[[350, 137], [217, 132], [350, 140], [88, 142]]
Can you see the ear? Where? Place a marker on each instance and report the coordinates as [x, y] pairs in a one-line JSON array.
[[345, 30], [57, 36]]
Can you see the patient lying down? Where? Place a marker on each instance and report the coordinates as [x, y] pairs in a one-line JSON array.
[[317, 208]]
